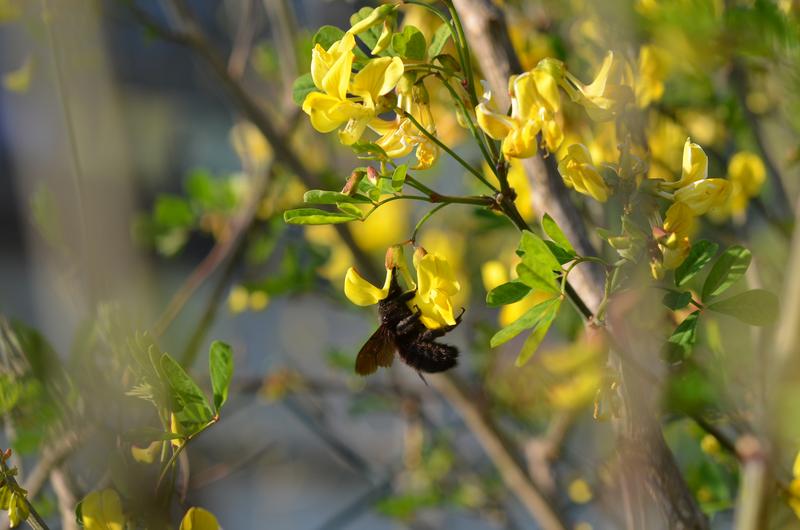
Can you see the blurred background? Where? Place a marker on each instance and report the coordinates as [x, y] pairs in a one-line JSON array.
[[140, 194]]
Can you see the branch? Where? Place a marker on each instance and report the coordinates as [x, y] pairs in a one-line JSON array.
[[510, 471], [640, 432]]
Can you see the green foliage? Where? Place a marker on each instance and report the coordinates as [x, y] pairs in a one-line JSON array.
[[410, 43], [191, 405], [756, 307], [679, 345], [507, 293], [538, 264], [677, 299], [700, 254], [302, 87], [439, 40], [332, 197], [314, 216], [728, 268], [539, 315], [220, 367]]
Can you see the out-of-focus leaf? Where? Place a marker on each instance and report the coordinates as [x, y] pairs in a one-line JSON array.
[[220, 368], [680, 343], [172, 211], [728, 268], [302, 87], [327, 35], [537, 335], [399, 177], [757, 307], [700, 254], [677, 299], [19, 80], [507, 293]]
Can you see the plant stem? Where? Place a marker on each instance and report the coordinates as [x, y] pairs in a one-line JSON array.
[[445, 148], [425, 218]]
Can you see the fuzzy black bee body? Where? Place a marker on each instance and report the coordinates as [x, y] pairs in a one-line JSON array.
[[401, 330]]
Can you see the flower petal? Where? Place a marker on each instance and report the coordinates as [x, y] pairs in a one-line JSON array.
[[361, 292]]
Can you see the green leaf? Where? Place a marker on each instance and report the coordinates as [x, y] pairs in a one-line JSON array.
[[680, 343], [369, 151], [700, 254], [439, 40], [757, 307], [314, 216], [728, 268], [331, 197], [538, 263], [220, 368], [677, 299], [556, 234], [193, 403], [350, 209], [172, 211], [560, 254], [508, 293], [410, 43], [302, 87], [326, 36], [537, 336], [399, 177], [532, 318]]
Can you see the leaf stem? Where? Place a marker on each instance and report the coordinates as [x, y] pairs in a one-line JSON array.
[[444, 147], [425, 219]]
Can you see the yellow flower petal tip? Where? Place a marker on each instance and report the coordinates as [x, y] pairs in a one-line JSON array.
[[199, 519], [361, 292]]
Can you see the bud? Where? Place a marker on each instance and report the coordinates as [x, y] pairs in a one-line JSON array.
[[372, 175], [373, 19], [386, 37], [351, 186]]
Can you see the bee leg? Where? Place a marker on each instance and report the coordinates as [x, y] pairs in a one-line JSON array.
[[407, 296], [407, 324], [423, 378]]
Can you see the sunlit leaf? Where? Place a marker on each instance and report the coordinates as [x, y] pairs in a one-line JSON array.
[[314, 216], [728, 268], [220, 368], [194, 407], [532, 318], [700, 254], [757, 307], [507, 293]]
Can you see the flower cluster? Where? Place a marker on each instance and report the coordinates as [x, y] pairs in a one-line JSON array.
[[435, 286]]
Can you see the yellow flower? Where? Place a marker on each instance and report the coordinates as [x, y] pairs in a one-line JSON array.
[[199, 519], [361, 292], [251, 146], [331, 72], [146, 455], [694, 166], [493, 273], [237, 299], [386, 227], [258, 300], [652, 71], [609, 93], [679, 225], [579, 173], [703, 195], [102, 510], [579, 491], [747, 170], [535, 102], [436, 285]]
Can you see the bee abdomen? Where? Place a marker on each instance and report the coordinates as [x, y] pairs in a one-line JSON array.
[[430, 357]]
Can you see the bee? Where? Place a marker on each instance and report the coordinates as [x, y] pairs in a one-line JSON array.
[[401, 330]]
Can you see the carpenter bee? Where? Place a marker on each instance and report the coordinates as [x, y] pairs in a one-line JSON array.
[[402, 330]]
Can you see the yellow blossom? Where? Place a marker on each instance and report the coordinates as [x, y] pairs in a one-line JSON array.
[[331, 72], [146, 455], [493, 273], [710, 445], [679, 224], [258, 300], [250, 145], [363, 293], [579, 491], [746, 173], [579, 173], [703, 195], [609, 93], [199, 519], [651, 74], [102, 510], [436, 285], [237, 299], [535, 102]]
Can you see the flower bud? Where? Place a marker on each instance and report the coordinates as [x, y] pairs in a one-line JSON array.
[[373, 19]]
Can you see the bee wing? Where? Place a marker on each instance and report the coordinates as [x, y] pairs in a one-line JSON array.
[[377, 351]]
